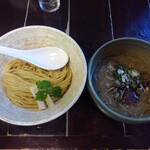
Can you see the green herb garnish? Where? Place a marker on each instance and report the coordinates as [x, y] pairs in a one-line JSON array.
[[117, 76], [133, 84], [129, 72], [44, 88], [120, 66]]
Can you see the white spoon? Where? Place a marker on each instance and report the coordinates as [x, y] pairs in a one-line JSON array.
[[49, 58]]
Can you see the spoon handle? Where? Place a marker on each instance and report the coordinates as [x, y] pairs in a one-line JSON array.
[[14, 52]]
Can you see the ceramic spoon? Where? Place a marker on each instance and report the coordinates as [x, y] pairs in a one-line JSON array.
[[49, 58]]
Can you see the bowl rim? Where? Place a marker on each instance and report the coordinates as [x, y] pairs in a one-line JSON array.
[[99, 103], [38, 122]]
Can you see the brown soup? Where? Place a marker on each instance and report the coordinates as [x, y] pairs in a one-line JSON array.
[[123, 83]]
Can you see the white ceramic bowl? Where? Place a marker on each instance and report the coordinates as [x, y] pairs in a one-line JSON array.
[[33, 37]]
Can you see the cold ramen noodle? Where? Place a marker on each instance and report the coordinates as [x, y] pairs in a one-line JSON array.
[[123, 83], [31, 87]]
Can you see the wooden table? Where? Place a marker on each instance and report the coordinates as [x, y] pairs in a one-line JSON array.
[[90, 23]]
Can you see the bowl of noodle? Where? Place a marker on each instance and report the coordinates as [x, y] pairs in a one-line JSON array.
[[23, 85]]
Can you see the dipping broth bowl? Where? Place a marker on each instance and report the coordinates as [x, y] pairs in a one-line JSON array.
[[137, 55]]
